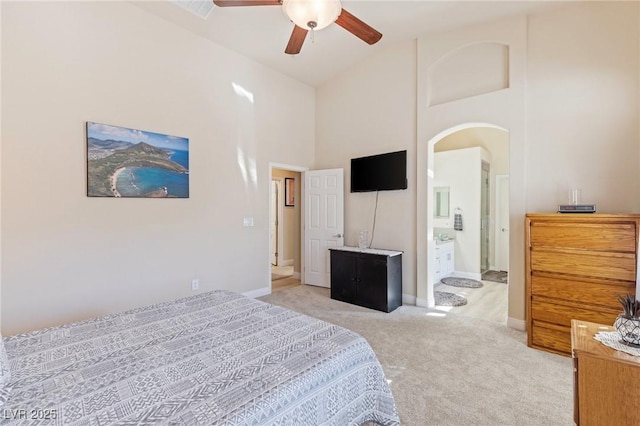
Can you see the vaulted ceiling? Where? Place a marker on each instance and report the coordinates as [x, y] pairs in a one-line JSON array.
[[262, 32]]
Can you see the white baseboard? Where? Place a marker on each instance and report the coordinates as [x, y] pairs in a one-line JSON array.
[[287, 262], [517, 324], [408, 299], [257, 293], [423, 303], [297, 275]]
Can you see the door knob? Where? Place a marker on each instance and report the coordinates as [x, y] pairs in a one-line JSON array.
[[504, 229], [338, 235]]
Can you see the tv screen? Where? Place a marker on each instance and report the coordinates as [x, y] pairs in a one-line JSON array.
[[382, 172]]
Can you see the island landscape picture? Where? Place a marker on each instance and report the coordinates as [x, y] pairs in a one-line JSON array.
[[124, 162]]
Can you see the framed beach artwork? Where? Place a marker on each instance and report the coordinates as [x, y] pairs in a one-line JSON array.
[[289, 192], [131, 163]]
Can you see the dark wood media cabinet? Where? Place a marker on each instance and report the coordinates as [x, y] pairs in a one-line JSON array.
[[367, 277]]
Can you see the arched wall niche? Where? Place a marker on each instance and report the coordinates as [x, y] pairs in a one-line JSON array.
[[470, 70]]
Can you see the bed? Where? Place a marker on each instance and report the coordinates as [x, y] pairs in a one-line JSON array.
[[215, 358]]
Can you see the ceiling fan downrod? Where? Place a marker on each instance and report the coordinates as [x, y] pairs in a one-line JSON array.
[[312, 25], [312, 14]]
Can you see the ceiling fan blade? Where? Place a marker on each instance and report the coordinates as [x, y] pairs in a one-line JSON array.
[[227, 3], [295, 41], [358, 28]]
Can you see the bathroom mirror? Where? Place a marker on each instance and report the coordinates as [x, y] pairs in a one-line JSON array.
[[441, 202]]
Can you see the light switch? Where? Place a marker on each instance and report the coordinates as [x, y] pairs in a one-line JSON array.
[[247, 221]]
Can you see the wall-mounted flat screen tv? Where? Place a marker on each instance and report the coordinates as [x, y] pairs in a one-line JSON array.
[[382, 172]]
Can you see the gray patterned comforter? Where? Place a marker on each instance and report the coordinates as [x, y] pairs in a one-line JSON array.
[[215, 358]]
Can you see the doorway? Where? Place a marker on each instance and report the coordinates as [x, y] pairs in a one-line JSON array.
[[471, 159], [285, 227]]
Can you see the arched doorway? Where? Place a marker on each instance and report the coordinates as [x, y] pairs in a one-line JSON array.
[[425, 237], [471, 164]]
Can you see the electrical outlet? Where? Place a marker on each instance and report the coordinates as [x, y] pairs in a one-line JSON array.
[[195, 284]]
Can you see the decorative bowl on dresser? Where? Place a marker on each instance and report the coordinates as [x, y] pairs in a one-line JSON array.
[[576, 266]]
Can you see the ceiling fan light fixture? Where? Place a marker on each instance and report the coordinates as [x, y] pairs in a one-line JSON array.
[[312, 14]]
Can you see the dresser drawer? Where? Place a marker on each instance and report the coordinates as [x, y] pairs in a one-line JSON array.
[[581, 290], [591, 236], [576, 266], [549, 311], [611, 265], [553, 337]]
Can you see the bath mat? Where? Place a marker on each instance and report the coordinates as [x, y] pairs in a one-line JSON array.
[[495, 276], [444, 298], [461, 282]]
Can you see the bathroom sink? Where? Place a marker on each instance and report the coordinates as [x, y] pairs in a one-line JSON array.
[[444, 241]]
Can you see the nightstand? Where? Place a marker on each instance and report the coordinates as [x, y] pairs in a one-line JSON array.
[[606, 382]]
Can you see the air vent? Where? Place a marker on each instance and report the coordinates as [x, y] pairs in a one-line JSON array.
[[200, 8]]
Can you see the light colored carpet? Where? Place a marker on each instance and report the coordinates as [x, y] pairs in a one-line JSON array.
[[448, 369], [487, 303]]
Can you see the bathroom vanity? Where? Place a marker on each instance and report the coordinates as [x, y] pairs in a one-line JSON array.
[[444, 259]]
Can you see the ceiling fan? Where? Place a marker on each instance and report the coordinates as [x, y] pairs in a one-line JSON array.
[[312, 15]]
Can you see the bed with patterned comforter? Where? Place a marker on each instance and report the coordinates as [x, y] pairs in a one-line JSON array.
[[215, 358]]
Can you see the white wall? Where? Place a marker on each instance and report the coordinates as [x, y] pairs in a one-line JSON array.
[[66, 256], [568, 127], [571, 109], [69, 257], [582, 98], [504, 109], [560, 124], [371, 110], [461, 171]]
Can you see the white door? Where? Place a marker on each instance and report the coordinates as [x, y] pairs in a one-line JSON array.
[[502, 222], [323, 222]]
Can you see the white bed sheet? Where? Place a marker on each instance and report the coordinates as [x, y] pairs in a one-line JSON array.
[[214, 358]]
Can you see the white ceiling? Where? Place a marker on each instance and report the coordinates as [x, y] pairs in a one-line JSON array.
[[262, 32]]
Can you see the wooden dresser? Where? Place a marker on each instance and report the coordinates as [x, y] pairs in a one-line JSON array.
[[605, 380], [576, 265]]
